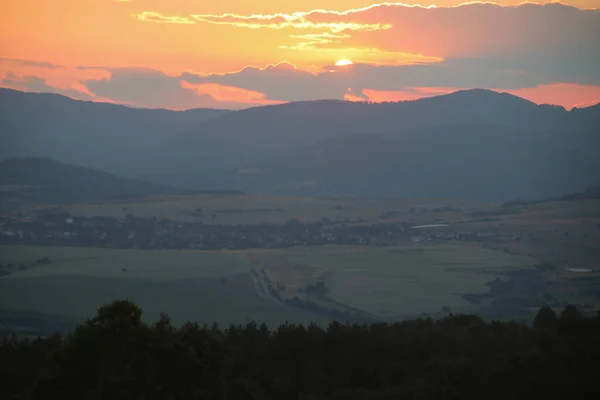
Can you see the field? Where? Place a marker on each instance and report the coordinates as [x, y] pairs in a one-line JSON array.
[[218, 287], [256, 209], [200, 286], [430, 271], [564, 233], [391, 281]]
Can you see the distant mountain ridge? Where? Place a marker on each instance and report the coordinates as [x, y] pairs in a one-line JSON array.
[[475, 144], [258, 131], [472, 144]]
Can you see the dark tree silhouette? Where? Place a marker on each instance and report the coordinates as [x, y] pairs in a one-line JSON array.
[[116, 355], [546, 319]]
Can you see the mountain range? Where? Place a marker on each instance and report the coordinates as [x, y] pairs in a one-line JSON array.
[[473, 144]]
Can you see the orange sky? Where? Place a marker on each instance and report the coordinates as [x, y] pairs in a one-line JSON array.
[[225, 36]]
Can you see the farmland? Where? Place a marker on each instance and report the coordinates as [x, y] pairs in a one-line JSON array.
[[390, 281], [201, 286], [218, 287], [256, 209], [235, 258]]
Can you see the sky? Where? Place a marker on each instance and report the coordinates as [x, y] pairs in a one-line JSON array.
[[182, 54]]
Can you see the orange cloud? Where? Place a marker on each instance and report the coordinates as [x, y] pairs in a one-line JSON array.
[[409, 93], [230, 94], [130, 86], [17, 74], [567, 95], [352, 96]]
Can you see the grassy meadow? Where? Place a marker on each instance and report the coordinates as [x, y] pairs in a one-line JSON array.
[[200, 286], [209, 286], [391, 281]]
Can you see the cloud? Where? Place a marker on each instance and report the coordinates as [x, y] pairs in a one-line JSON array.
[[151, 16], [309, 40], [298, 20], [468, 29], [276, 84], [285, 82], [282, 82], [154, 89], [35, 76], [567, 95], [562, 94], [399, 52], [362, 82], [230, 94], [556, 41], [139, 87], [39, 85], [30, 63]]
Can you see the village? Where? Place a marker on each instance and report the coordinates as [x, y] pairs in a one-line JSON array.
[[57, 227]]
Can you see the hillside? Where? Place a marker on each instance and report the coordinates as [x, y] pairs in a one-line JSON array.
[[473, 144], [99, 135], [590, 193], [42, 180], [262, 134]]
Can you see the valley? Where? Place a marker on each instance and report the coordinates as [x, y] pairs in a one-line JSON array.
[[370, 260], [309, 211]]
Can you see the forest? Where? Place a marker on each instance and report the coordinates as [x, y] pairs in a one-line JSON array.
[[117, 355]]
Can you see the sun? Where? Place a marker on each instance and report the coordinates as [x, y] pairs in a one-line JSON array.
[[343, 62]]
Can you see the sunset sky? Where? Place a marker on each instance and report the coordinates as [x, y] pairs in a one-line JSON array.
[[182, 54]]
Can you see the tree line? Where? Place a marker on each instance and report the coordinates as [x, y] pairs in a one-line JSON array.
[[116, 355]]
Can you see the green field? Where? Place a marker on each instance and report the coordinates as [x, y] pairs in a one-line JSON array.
[[216, 286], [109, 263], [392, 281], [200, 286]]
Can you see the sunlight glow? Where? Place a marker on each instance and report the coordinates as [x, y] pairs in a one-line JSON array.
[[343, 62]]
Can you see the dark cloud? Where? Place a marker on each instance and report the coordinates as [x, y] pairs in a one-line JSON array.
[[279, 82], [283, 82], [154, 89], [144, 87]]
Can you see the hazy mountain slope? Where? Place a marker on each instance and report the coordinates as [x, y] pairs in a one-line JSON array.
[[483, 163], [487, 163], [42, 180], [263, 134], [590, 193], [100, 135], [475, 144]]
